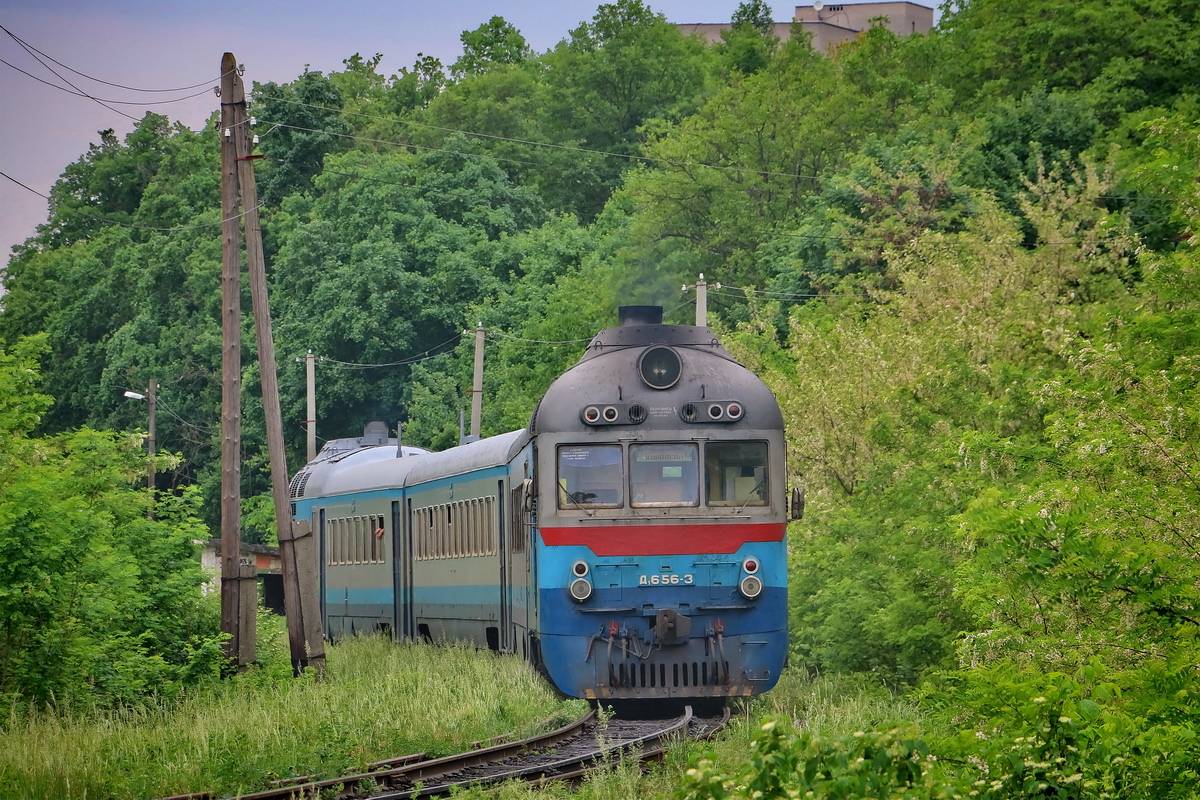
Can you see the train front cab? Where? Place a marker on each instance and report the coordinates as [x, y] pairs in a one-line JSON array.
[[661, 519], [642, 596]]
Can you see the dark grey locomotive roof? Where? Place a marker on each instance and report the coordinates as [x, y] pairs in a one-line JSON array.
[[608, 373]]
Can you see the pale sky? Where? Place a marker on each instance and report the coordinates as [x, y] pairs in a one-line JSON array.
[[160, 43]]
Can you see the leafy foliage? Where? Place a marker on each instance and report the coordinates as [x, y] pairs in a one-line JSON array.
[[98, 602], [965, 262]]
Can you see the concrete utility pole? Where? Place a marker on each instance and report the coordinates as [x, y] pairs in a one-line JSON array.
[[241, 643], [299, 596], [151, 438], [310, 379], [477, 384], [701, 302]]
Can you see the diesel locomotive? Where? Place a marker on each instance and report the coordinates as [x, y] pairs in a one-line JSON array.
[[630, 543]]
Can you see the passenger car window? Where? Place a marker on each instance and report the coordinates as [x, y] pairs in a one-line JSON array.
[[664, 475], [589, 476], [735, 473]]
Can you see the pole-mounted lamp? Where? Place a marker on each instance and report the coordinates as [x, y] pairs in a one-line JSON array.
[[151, 397]]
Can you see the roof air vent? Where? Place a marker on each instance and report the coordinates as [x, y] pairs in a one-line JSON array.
[[374, 432]]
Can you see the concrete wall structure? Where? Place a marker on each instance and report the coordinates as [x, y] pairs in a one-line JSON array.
[[834, 24], [266, 561]]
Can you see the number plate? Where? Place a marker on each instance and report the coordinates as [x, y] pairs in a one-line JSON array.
[[669, 579]]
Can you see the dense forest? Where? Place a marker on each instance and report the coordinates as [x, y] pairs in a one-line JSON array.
[[966, 262]]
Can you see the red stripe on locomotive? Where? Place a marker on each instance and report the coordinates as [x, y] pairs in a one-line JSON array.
[[664, 540]]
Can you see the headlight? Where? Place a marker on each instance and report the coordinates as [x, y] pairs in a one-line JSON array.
[[581, 589], [751, 586]]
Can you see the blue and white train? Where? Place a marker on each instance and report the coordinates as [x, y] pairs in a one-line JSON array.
[[630, 542]]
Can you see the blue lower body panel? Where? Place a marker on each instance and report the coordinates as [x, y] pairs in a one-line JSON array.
[[606, 649]]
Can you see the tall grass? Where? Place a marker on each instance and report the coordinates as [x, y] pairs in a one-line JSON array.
[[379, 699], [832, 706]]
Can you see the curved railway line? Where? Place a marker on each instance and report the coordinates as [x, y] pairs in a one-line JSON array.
[[565, 753]]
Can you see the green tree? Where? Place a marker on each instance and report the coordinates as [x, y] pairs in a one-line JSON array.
[[495, 42], [624, 68], [98, 603], [381, 264], [300, 123]]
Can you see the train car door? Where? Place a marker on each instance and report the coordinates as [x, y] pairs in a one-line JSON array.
[[410, 609], [520, 565], [401, 585], [319, 527], [505, 587]]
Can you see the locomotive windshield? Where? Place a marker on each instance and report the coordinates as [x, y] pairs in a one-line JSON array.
[[735, 473], [589, 476], [664, 474]]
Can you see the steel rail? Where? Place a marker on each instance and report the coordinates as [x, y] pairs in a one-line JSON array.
[[649, 745], [385, 771], [413, 776]]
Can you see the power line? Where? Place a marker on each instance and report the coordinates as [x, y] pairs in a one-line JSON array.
[[199, 428], [578, 149], [588, 150], [506, 335], [136, 225], [427, 354], [732, 291], [394, 143], [37, 58], [102, 99], [552, 145], [109, 83]]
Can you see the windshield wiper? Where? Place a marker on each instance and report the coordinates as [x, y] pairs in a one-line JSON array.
[[758, 485]]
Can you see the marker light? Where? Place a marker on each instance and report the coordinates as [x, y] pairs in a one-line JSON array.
[[751, 586], [750, 565], [579, 568], [610, 414], [591, 414], [581, 589], [734, 410], [715, 411]]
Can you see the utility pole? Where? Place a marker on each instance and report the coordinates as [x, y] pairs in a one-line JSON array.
[[241, 642], [305, 637], [701, 302], [310, 375], [477, 384], [151, 439]]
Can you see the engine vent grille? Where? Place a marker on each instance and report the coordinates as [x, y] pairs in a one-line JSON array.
[[642, 675], [296, 488]]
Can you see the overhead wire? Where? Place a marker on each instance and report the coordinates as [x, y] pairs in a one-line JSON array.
[[207, 429], [554, 145], [849, 238], [579, 149], [507, 335], [733, 291], [392, 142], [81, 74], [53, 85], [161, 404], [37, 58], [138, 226], [427, 354]]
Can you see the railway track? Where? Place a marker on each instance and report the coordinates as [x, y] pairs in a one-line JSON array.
[[566, 753]]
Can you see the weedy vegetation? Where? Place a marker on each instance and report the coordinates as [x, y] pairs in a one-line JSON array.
[[378, 700]]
